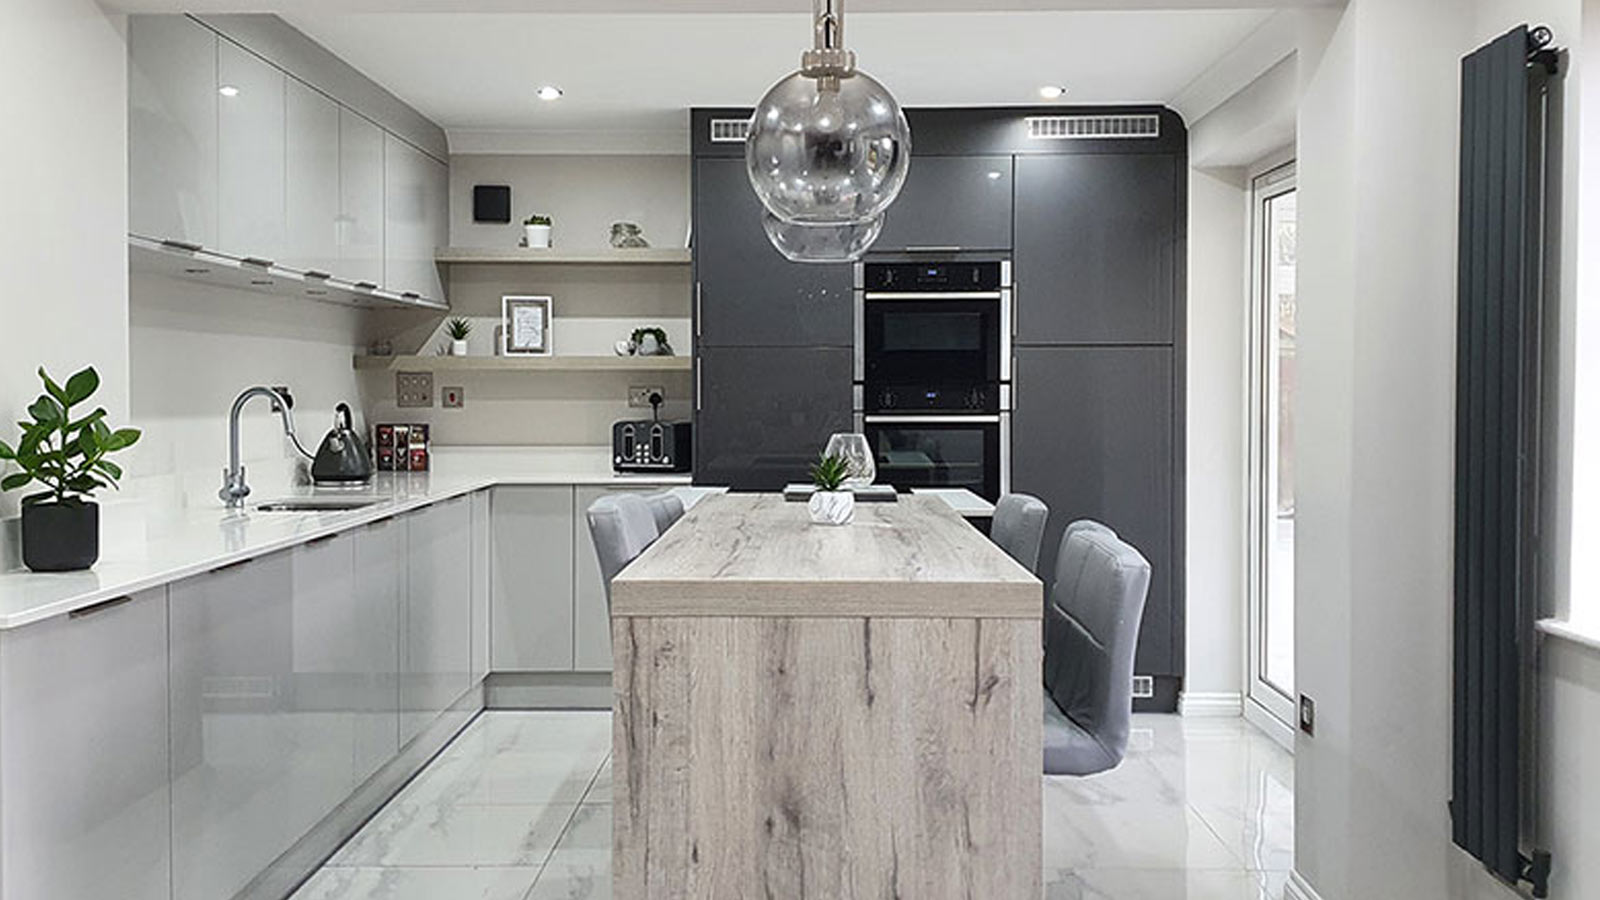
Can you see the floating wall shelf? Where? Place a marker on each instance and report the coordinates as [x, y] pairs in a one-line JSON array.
[[526, 363], [556, 256]]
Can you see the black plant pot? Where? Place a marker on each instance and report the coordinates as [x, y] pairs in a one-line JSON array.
[[60, 537]]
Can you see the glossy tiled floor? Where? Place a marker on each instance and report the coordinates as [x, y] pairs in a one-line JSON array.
[[518, 808]]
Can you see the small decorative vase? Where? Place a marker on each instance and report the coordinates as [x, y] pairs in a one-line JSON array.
[[832, 507], [538, 236], [60, 537], [458, 348], [628, 236], [649, 346], [857, 451]]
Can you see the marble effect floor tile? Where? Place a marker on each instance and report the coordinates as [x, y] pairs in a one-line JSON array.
[[518, 808]]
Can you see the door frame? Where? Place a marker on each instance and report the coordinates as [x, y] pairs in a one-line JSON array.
[[1265, 704]]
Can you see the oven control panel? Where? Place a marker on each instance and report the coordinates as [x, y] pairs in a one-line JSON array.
[[905, 398]]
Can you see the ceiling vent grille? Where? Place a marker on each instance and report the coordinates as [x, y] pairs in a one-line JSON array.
[[1086, 128], [729, 131]]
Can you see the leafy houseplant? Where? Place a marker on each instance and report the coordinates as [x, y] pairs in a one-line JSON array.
[[537, 228], [458, 329], [830, 503], [66, 455], [650, 342]]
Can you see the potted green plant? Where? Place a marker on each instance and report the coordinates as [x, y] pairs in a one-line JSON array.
[[458, 329], [650, 342], [66, 455], [830, 503], [537, 228]]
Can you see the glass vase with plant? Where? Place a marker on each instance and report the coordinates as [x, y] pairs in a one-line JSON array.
[[65, 453]]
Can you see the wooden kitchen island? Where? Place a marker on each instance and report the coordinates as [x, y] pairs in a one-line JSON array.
[[805, 711]]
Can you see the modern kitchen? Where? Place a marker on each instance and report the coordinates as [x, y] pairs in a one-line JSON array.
[[798, 449]]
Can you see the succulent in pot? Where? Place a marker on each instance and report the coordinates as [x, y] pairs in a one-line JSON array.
[[65, 453], [458, 329], [537, 229], [831, 503]]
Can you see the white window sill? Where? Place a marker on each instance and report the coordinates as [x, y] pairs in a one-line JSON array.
[[1585, 633]]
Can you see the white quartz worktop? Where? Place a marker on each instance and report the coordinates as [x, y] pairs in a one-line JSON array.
[[207, 536]]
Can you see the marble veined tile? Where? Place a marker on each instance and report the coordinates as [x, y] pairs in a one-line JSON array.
[[1154, 884], [579, 733], [600, 792], [1130, 836], [507, 777], [418, 884], [412, 834], [580, 867]]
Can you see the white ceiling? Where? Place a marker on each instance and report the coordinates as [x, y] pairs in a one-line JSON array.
[[634, 75]]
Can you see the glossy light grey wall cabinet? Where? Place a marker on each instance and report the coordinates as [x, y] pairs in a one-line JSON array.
[[361, 216], [83, 735], [1093, 436], [1099, 248], [747, 294], [251, 167], [172, 129], [951, 202], [261, 748], [416, 222], [437, 657], [532, 585], [765, 414], [313, 181]]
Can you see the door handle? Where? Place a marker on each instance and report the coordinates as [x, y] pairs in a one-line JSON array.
[[100, 607]]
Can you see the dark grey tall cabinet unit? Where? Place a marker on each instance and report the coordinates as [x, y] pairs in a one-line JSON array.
[[1095, 229]]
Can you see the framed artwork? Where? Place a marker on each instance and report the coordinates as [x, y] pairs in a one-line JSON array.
[[526, 324]]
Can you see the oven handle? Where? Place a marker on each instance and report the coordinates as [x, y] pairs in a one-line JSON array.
[[932, 420], [933, 295]]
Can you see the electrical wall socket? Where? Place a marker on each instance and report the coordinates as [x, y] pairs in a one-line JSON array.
[[413, 389], [452, 397], [1308, 716], [639, 395]]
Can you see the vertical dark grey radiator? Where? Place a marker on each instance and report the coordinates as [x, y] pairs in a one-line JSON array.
[[1500, 282]]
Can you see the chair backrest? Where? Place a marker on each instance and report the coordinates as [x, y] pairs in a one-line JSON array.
[[667, 509], [622, 526], [1091, 631], [1018, 527]]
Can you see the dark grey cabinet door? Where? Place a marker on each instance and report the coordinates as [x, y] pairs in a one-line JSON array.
[[951, 202], [1099, 247], [748, 295], [765, 414], [1092, 436]]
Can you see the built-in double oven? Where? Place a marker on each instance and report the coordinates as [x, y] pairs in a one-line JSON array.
[[933, 372]]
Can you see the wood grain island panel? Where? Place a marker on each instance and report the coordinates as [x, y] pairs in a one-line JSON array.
[[886, 744]]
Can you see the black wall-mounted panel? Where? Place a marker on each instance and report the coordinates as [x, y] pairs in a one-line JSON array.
[[491, 203]]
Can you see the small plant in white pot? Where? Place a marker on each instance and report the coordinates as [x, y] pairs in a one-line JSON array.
[[458, 329], [65, 453], [830, 504], [537, 228]]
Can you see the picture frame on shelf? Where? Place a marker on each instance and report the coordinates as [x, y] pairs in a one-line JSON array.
[[525, 321]]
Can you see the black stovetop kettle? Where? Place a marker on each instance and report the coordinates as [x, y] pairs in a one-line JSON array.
[[343, 457]]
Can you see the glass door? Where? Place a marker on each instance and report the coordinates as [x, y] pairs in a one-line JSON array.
[[1271, 442]]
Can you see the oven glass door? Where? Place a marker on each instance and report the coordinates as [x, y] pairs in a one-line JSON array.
[[938, 451], [926, 342]]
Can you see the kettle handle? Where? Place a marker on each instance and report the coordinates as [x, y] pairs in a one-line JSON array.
[[342, 412]]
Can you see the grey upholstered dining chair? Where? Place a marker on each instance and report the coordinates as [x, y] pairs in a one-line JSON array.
[[622, 526], [1018, 527], [667, 509], [1091, 631]]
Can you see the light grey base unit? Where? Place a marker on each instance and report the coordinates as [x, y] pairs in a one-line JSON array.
[[547, 597], [436, 653], [83, 737]]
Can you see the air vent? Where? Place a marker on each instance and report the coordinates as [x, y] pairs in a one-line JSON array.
[[1144, 687], [1089, 128], [729, 131]]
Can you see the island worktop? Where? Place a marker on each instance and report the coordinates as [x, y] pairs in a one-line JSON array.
[[808, 711]]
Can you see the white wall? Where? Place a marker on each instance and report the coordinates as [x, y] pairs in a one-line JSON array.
[[63, 174], [1215, 480], [584, 194], [1378, 160]]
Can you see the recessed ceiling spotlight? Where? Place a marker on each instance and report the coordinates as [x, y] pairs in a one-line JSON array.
[[549, 92], [1052, 92], [228, 90]]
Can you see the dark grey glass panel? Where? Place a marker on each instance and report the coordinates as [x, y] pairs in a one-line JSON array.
[[1099, 249], [952, 201], [1093, 436], [767, 413]]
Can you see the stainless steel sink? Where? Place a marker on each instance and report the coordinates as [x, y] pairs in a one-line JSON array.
[[317, 504]]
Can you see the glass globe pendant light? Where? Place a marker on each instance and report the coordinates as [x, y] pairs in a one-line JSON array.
[[828, 151]]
